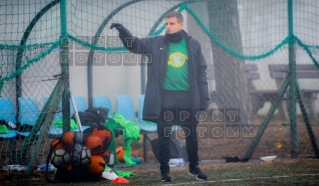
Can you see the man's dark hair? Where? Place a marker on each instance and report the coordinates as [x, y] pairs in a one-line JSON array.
[[178, 15]]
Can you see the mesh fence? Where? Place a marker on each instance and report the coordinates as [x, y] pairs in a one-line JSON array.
[[262, 61]]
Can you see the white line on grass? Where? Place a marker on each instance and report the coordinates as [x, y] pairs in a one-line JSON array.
[[243, 179]]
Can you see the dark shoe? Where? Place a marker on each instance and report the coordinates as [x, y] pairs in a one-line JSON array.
[[197, 173], [166, 177]]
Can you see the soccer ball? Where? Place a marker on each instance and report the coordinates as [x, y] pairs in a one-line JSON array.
[[94, 143], [96, 166], [60, 158], [85, 156], [106, 156], [120, 154], [67, 140], [56, 144]]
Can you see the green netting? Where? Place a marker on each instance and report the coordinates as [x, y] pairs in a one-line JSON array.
[[240, 39]]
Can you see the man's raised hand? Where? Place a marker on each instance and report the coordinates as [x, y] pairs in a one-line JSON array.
[[118, 27]]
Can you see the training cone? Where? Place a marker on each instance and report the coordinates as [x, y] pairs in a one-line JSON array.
[[120, 180], [109, 175]]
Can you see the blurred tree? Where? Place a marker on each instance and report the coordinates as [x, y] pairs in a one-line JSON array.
[[231, 83]]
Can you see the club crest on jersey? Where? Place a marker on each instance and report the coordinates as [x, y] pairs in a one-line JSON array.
[[177, 59]]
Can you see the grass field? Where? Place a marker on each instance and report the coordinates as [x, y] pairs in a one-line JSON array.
[[278, 172], [275, 141], [254, 172]]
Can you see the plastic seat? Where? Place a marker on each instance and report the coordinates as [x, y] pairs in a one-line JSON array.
[[55, 131], [147, 127], [104, 102], [28, 113], [81, 107], [125, 107], [144, 125], [7, 112], [80, 104]]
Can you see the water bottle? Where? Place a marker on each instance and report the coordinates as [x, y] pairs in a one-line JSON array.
[[111, 161], [42, 167], [11, 125], [14, 168], [176, 162]]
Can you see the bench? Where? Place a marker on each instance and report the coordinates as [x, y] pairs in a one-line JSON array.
[[257, 97], [303, 71], [279, 72]]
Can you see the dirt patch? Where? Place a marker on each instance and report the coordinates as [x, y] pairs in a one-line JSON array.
[[275, 141]]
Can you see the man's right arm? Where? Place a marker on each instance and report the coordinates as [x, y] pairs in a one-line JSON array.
[[133, 44]]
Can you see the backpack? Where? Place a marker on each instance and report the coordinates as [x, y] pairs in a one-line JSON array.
[[177, 149], [92, 116]]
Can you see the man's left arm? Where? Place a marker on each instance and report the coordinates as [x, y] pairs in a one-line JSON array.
[[202, 80]]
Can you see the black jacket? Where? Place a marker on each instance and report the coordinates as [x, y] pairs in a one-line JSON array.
[[157, 50]]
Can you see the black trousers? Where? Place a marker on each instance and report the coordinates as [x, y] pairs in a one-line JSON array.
[[176, 100]]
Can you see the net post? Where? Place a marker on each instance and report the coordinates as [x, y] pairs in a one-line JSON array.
[[268, 117], [44, 121], [64, 62], [292, 84], [305, 115]]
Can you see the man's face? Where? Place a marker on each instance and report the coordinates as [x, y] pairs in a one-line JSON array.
[[172, 25]]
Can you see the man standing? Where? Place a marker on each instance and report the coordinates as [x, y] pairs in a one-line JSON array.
[[176, 79]]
